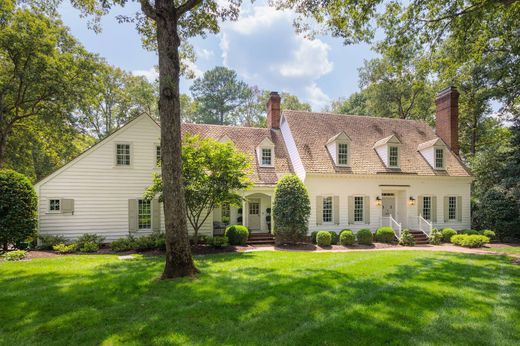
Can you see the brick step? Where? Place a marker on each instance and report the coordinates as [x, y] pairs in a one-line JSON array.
[[260, 238], [260, 241]]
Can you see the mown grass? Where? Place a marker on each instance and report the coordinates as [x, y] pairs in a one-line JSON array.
[[507, 249], [264, 298]]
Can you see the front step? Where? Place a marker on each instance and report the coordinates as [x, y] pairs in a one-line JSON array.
[[419, 237], [260, 238]]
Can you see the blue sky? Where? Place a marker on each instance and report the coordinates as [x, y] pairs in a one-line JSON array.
[[261, 46]]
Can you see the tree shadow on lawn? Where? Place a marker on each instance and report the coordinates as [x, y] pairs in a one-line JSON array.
[[448, 298]]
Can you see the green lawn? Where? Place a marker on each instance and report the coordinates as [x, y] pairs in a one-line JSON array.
[[262, 298], [508, 249]]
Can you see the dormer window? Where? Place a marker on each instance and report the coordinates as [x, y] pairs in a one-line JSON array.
[[393, 156], [338, 147], [388, 150], [342, 154], [439, 158], [267, 157], [265, 153]]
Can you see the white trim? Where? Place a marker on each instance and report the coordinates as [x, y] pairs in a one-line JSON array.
[[443, 167], [49, 211], [131, 148], [331, 222]]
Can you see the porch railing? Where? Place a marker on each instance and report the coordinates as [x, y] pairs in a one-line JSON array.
[[424, 225], [391, 222]]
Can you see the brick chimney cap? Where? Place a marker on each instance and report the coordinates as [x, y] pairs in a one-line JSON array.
[[448, 90], [274, 93]]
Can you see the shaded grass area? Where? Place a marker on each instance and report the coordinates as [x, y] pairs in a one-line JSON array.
[[262, 298], [506, 249]]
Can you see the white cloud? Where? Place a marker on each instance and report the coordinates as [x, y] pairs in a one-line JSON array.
[[151, 74], [310, 59], [264, 49], [205, 53], [316, 97]]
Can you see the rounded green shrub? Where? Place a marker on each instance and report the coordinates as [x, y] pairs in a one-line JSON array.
[[89, 246], [291, 210], [313, 236], [145, 243], [16, 255], [469, 232], [18, 204], [237, 234], [334, 237], [435, 237], [218, 241], [489, 233], [457, 239], [323, 238], [346, 237], [123, 244], [62, 248], [364, 236], [447, 233], [385, 234], [470, 240], [90, 238], [407, 238], [48, 241]]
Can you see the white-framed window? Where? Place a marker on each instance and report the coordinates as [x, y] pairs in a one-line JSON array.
[[439, 158], [123, 154], [267, 157], [393, 156], [157, 155], [144, 214], [55, 205], [342, 154], [358, 208], [427, 207], [225, 214], [452, 208], [327, 209]]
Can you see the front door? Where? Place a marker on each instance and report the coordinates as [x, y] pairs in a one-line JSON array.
[[253, 217], [388, 204]]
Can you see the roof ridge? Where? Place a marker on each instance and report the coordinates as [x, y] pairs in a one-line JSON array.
[[228, 126], [356, 115]]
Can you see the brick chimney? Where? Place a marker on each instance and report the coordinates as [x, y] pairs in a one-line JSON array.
[[447, 117], [273, 110]]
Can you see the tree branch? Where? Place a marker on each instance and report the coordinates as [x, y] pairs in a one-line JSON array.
[[148, 9], [188, 5]]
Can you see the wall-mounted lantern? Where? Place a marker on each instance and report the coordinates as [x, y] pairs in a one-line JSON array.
[[412, 200], [378, 201]]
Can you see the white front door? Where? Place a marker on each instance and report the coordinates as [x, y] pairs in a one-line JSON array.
[[388, 205], [253, 217]]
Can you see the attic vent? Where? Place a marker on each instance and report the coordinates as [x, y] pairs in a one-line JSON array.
[[307, 150], [378, 129]]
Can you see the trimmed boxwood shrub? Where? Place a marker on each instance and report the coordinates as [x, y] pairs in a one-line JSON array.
[[16, 255], [313, 236], [123, 244], [469, 240], [435, 237], [346, 237], [90, 238], [237, 234], [469, 231], [364, 236], [145, 243], [218, 241], [447, 233], [89, 246], [489, 233], [291, 210], [62, 248], [18, 204], [47, 241], [334, 237], [385, 234], [407, 238], [323, 238]]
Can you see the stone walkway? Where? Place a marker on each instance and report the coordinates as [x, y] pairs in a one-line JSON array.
[[385, 247]]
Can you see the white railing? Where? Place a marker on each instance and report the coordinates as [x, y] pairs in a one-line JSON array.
[[424, 225], [390, 222]]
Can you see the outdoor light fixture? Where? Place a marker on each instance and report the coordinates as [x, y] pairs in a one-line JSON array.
[[412, 200], [378, 201]]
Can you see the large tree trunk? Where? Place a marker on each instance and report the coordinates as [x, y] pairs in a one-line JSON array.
[[179, 261]]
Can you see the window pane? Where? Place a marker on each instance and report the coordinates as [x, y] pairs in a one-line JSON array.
[[225, 214], [54, 205], [123, 154], [393, 156], [266, 157], [327, 209], [427, 207], [158, 155], [452, 208], [254, 208], [144, 214], [439, 158], [358, 209], [342, 153]]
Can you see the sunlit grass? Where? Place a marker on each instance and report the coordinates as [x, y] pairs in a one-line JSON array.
[[263, 298]]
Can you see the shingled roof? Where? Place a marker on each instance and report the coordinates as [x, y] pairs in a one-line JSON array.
[[247, 140], [311, 131]]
